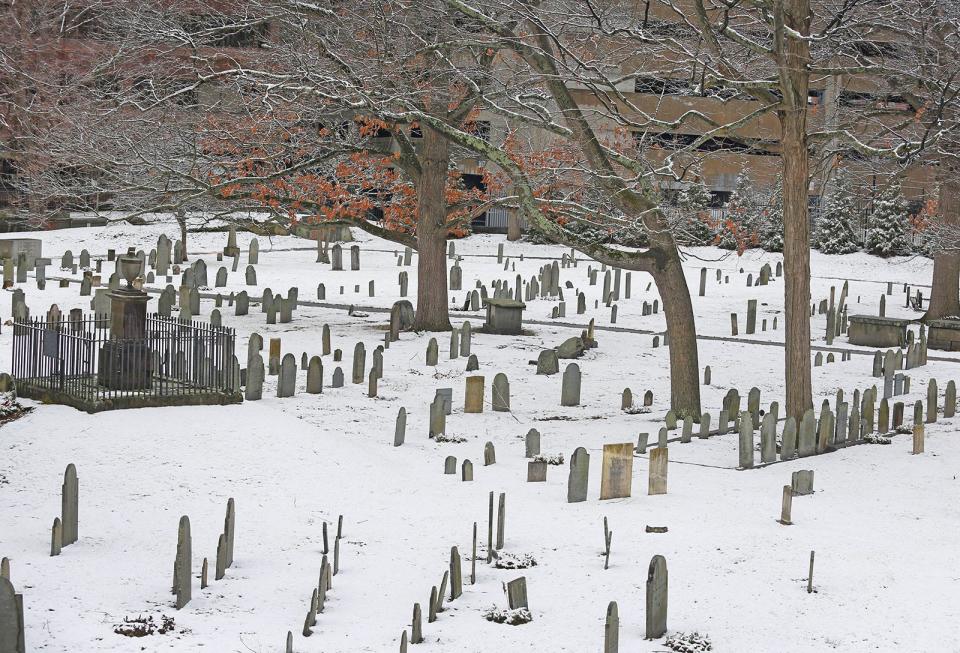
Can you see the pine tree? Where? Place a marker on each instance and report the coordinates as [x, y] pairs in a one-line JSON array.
[[771, 230], [694, 202], [738, 229], [889, 226], [835, 234]]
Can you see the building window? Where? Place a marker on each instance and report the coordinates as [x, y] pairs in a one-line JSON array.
[[661, 86]]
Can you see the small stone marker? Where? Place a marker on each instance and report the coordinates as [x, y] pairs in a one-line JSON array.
[[489, 454], [517, 593], [786, 506], [536, 471], [801, 482], [611, 630]]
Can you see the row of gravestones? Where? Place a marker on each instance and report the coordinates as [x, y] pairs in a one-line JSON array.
[[318, 595], [847, 423], [182, 586]]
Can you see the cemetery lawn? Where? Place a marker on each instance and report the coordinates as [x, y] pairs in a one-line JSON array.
[[885, 524]]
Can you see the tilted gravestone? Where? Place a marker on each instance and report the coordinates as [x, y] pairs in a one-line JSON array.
[[432, 352], [547, 362], [456, 574]]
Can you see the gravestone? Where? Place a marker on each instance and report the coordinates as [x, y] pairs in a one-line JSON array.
[[11, 619], [537, 471], [315, 375], [287, 383], [570, 388], [500, 398], [69, 507], [579, 474], [789, 446], [400, 430], [432, 352], [473, 399], [255, 373], [517, 593], [181, 567], [746, 440], [532, 443], [547, 362], [489, 454], [807, 436], [359, 362], [466, 471], [657, 481], [801, 482], [656, 607], [616, 474]]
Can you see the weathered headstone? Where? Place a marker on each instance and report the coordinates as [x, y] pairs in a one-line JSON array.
[[617, 471]]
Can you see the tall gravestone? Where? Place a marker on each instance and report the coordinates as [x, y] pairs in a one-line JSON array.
[[181, 568], [69, 505], [656, 611], [579, 475]]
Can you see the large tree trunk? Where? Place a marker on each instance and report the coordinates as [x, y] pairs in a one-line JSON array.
[[795, 80], [432, 310], [945, 293], [681, 329]]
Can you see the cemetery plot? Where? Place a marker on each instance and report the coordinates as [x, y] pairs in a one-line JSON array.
[[478, 490]]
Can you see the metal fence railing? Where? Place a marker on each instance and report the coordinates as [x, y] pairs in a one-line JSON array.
[[76, 357]]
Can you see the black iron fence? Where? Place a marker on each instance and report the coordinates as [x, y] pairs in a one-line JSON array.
[[76, 360]]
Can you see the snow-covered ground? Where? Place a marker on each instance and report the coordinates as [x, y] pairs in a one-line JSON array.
[[884, 524]]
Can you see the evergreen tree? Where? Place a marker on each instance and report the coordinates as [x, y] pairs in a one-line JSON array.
[[694, 203], [835, 234], [889, 227], [771, 230], [739, 228]]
